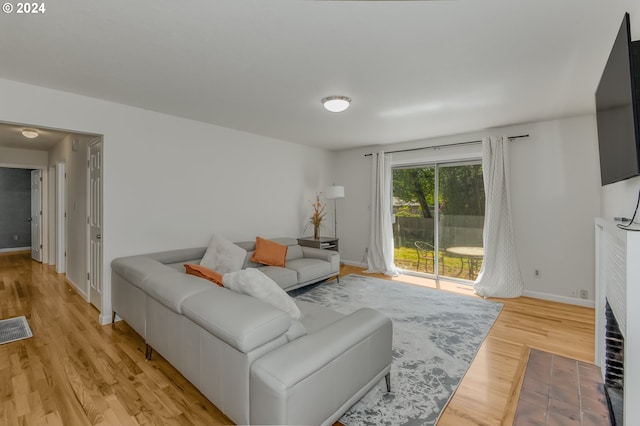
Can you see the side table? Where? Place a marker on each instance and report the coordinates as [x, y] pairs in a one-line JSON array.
[[326, 243]]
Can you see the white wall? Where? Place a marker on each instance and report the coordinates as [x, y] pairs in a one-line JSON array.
[[170, 182], [555, 197], [23, 158], [619, 199], [76, 208]]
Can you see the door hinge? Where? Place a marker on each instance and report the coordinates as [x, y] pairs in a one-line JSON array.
[[88, 275], [41, 246]]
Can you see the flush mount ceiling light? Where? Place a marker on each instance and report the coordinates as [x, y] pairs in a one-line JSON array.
[[30, 133], [336, 103]]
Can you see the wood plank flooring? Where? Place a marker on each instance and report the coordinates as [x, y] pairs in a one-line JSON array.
[[77, 372], [488, 394]]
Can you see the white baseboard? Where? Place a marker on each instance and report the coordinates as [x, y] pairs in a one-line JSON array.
[[562, 299], [105, 319], [348, 262], [11, 249], [78, 289], [533, 294]]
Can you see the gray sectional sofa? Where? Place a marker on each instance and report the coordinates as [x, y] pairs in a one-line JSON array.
[[250, 359]]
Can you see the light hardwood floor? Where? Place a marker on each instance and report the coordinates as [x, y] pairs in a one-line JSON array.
[[76, 372]]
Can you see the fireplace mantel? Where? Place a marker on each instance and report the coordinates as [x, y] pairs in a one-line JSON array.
[[618, 275]]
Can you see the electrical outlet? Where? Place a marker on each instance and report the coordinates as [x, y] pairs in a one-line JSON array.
[[584, 294], [574, 292], [537, 273]]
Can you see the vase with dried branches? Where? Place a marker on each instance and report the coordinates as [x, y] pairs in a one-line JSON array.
[[318, 215]]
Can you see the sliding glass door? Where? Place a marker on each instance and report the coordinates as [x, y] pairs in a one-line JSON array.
[[439, 217]]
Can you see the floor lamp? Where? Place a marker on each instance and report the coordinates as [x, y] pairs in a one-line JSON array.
[[333, 193]]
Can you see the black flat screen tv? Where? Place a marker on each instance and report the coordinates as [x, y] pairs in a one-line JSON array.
[[617, 110]]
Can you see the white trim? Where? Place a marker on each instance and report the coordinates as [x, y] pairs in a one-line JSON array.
[[74, 285], [51, 216], [95, 141], [533, 294], [562, 299], [61, 205], [359, 264], [106, 319], [12, 249], [23, 166], [44, 205]]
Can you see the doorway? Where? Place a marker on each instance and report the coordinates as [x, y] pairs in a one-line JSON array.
[[439, 219], [62, 156]]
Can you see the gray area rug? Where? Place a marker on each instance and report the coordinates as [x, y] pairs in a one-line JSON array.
[[13, 329], [436, 336]]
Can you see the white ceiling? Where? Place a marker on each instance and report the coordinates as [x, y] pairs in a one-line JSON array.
[[414, 69], [11, 137]]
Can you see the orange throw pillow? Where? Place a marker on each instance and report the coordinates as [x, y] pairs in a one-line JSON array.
[[202, 272], [269, 253]]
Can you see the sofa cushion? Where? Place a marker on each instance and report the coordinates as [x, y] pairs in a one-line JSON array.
[[254, 283], [133, 269], [284, 277], [270, 253], [294, 252], [170, 287], [296, 330], [239, 320], [223, 256], [316, 317], [202, 272], [309, 269]]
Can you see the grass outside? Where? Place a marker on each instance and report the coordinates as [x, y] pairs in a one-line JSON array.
[[407, 258]]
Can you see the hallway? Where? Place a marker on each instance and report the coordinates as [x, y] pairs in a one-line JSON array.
[[74, 371]]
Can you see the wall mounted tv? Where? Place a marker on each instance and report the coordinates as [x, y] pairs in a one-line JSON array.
[[618, 109]]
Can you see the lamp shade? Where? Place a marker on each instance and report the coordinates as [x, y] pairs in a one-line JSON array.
[[333, 192]]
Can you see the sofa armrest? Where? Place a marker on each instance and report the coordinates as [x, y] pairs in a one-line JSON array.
[[317, 377], [331, 256]]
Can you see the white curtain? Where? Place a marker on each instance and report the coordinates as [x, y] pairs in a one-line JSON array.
[[500, 274], [380, 256]]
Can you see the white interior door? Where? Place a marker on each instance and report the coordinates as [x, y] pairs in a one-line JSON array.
[[36, 215], [95, 224]]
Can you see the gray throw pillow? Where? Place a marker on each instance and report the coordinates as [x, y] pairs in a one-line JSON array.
[[223, 256]]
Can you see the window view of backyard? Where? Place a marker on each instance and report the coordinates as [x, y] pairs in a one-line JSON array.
[[456, 220]]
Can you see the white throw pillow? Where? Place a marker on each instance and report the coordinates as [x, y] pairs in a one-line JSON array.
[[223, 256], [254, 283]]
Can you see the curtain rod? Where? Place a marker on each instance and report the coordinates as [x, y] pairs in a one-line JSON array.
[[446, 145]]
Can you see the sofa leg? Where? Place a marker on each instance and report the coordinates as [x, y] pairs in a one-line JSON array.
[[113, 317], [387, 379], [148, 352], [338, 278]]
